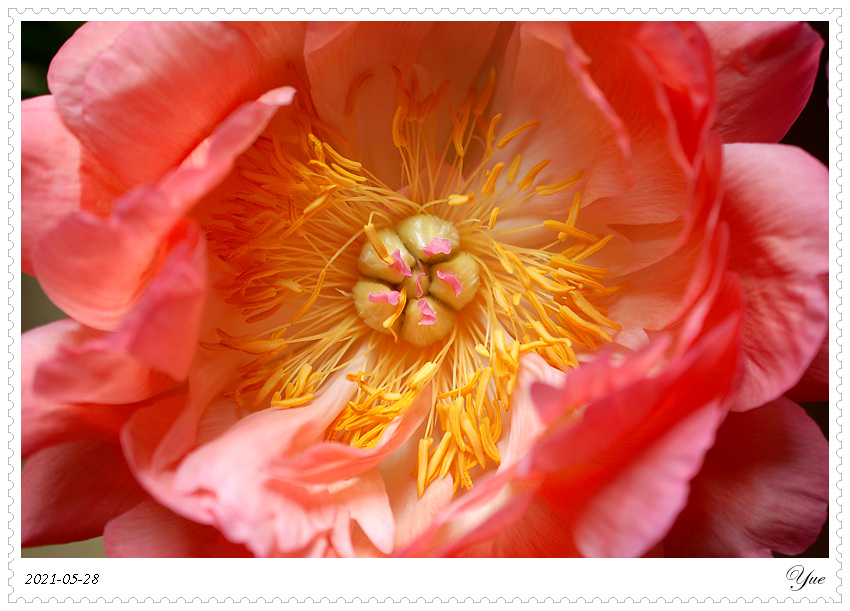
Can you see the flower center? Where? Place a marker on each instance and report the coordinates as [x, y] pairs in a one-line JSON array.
[[414, 292], [432, 287]]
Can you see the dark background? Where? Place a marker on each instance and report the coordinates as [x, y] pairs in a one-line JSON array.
[[41, 40]]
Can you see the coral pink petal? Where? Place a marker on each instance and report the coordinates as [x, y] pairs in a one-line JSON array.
[[149, 530], [58, 176], [68, 70], [665, 107], [764, 487], [127, 109], [496, 500], [230, 482], [353, 84], [765, 74], [329, 462], [814, 385], [549, 82], [121, 367], [112, 257], [162, 330], [69, 492], [776, 205], [49, 420], [365, 498], [634, 511], [637, 448]]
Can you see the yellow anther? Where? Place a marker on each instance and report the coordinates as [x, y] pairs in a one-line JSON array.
[[346, 174], [585, 306], [571, 318], [301, 381], [480, 349], [377, 244], [460, 200], [513, 169], [492, 176], [399, 141], [422, 465], [320, 201], [491, 134], [309, 303], [340, 159], [484, 98], [571, 219], [399, 308], [436, 459], [422, 376], [472, 436], [293, 402], [526, 182], [493, 216], [560, 186], [487, 441], [502, 300], [546, 336], [454, 422], [448, 461], [506, 139], [593, 248], [503, 258], [481, 391]]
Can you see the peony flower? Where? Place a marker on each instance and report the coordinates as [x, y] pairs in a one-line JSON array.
[[442, 289]]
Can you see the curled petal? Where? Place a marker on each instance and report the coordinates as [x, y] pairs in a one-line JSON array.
[[765, 74]]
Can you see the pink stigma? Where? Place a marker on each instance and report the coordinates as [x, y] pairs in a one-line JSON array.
[[429, 316], [438, 246], [452, 280], [390, 297], [419, 290], [399, 265]]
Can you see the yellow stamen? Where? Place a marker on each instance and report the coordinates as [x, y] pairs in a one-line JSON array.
[[506, 139], [526, 182]]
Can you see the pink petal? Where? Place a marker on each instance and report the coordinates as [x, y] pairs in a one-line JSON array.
[[632, 453], [665, 105], [339, 56], [232, 483], [123, 104], [149, 530], [452, 280], [764, 487], [160, 333], [765, 74], [497, 500], [438, 246], [68, 70], [546, 78], [47, 421], [399, 265], [69, 492], [365, 498], [776, 206], [390, 297], [85, 250], [58, 175], [814, 385]]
